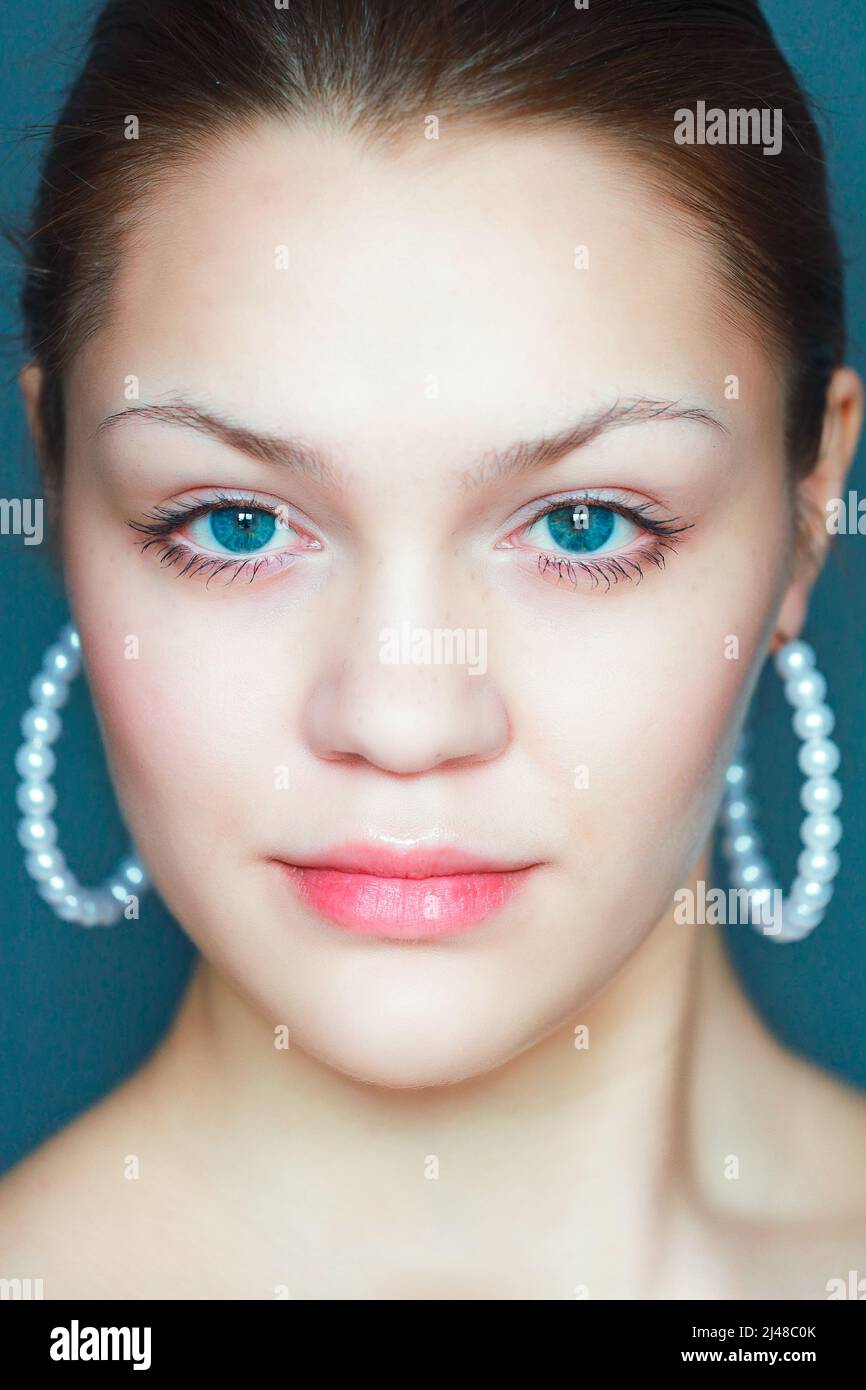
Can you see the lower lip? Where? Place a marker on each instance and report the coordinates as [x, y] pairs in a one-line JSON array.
[[405, 909]]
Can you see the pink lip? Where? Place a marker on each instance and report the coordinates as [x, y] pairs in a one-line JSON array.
[[405, 895]]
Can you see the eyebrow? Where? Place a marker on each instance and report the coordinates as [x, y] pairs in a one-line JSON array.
[[526, 455], [286, 453], [521, 457]]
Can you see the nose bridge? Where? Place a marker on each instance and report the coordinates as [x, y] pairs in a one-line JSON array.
[[411, 687], [409, 645]]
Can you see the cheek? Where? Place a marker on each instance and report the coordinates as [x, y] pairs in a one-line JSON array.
[[192, 728], [193, 703], [630, 704]]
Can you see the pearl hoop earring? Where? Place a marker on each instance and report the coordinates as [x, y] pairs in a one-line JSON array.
[[37, 833], [810, 893]]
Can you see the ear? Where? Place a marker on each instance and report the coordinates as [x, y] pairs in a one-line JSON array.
[[30, 382], [843, 420]]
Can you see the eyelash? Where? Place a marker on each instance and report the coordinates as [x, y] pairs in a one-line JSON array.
[[665, 532], [161, 524]]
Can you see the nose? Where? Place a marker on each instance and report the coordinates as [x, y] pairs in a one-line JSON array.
[[407, 698]]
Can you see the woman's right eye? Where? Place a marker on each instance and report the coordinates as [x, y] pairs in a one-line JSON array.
[[224, 536]]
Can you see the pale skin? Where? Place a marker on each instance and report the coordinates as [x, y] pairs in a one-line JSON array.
[[600, 1171]]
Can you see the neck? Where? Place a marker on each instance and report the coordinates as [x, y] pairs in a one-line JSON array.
[[586, 1138]]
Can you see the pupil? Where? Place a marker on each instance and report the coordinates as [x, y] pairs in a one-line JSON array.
[[242, 530], [596, 525]]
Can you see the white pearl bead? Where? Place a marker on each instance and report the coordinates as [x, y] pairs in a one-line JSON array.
[[69, 637], [55, 888], [806, 690], [40, 724], [35, 761], [818, 757], [754, 873], [45, 691], [811, 892], [35, 832], [821, 832], [814, 721], [820, 795], [819, 864], [133, 873], [105, 909], [745, 844], [43, 864], [96, 908], [738, 813], [36, 798], [736, 777], [68, 909], [761, 898], [793, 659], [800, 916], [61, 663]]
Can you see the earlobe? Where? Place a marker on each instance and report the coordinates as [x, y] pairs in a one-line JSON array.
[[792, 613]]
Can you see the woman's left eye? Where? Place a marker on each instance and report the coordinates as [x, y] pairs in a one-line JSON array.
[[240, 530], [580, 529]]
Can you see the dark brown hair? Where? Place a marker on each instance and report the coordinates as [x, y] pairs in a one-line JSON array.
[[190, 69]]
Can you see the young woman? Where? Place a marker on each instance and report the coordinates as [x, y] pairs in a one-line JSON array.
[[440, 426]]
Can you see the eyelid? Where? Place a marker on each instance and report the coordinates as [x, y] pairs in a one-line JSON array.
[[166, 521], [162, 528], [168, 518], [658, 536], [640, 511]]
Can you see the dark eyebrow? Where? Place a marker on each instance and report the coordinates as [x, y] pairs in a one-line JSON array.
[[520, 457], [526, 455], [267, 448]]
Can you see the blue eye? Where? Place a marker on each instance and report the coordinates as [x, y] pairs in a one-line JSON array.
[[241, 530], [581, 529]]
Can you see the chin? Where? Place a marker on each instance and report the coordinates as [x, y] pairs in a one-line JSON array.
[[410, 1055]]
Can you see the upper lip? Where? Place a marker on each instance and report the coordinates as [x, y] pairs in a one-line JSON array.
[[417, 861]]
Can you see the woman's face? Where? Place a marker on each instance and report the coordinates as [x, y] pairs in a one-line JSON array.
[[285, 693]]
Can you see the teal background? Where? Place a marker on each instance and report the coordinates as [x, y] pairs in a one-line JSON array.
[[80, 1009]]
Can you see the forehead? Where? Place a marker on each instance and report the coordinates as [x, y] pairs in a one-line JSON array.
[[301, 276]]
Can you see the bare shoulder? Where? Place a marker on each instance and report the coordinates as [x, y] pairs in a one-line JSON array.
[[75, 1212], [792, 1223], [827, 1127], [831, 1127]]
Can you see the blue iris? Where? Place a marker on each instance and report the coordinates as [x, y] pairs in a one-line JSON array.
[[241, 530], [594, 527]]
